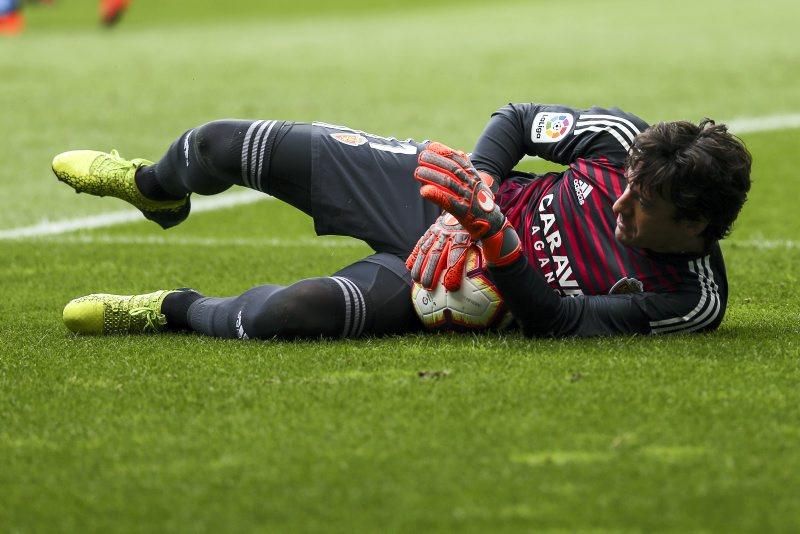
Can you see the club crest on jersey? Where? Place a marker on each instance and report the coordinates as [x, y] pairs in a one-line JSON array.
[[352, 139], [549, 127], [625, 286]]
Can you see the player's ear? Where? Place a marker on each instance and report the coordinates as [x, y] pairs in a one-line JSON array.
[[695, 227]]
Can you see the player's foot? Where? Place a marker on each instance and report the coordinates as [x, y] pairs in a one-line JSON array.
[[111, 11], [11, 23], [103, 314], [101, 174]]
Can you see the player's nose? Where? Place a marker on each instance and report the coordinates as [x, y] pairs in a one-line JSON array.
[[622, 203]]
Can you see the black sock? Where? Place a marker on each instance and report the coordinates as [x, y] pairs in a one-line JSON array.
[[311, 308], [176, 306], [149, 187]]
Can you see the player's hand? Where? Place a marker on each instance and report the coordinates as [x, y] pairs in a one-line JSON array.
[[440, 254], [450, 180]]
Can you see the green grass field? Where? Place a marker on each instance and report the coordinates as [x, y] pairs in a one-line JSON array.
[[476, 433]]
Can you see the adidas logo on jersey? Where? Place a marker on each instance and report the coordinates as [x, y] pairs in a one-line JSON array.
[[582, 189]]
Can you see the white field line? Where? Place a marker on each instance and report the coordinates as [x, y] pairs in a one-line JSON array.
[[742, 125], [769, 123], [763, 244], [315, 242], [104, 220]]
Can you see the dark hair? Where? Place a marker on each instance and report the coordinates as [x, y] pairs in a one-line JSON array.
[[703, 169]]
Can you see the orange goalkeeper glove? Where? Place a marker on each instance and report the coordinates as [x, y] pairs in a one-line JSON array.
[[440, 254], [450, 180]]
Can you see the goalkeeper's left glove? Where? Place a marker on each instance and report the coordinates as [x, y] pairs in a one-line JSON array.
[[440, 253], [451, 181]]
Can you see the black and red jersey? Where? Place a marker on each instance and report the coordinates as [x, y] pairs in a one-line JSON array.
[[566, 226]]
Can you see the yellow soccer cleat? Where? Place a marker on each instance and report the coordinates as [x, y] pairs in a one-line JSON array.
[[102, 174], [103, 314]]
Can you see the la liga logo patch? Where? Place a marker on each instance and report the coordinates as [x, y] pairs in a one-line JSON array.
[[549, 127]]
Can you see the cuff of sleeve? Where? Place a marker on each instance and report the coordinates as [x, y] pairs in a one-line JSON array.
[[502, 248]]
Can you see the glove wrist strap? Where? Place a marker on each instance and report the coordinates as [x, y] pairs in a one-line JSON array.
[[503, 247]]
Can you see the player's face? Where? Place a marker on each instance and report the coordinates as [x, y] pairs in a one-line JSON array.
[[648, 221]]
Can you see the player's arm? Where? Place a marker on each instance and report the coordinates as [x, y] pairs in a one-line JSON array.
[[560, 134], [541, 312]]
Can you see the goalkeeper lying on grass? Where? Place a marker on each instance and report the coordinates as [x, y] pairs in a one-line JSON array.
[[624, 241]]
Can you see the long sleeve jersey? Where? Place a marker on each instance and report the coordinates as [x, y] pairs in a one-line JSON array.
[[574, 278]]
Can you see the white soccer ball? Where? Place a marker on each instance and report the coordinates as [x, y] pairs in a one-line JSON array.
[[476, 305]]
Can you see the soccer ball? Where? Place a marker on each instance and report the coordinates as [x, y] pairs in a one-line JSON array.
[[476, 305]]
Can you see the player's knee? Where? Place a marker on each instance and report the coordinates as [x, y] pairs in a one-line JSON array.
[[212, 145], [308, 308]]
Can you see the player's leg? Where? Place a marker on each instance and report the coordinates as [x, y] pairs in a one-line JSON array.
[[213, 157], [207, 160], [370, 297], [309, 308], [351, 182]]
